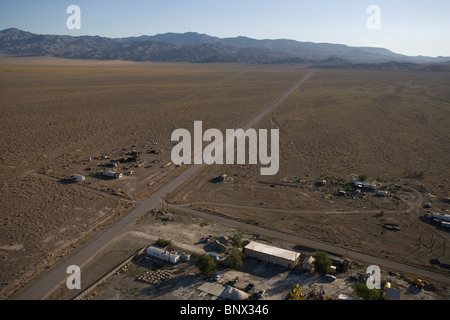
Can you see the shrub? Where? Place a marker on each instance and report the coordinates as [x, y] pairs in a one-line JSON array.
[[235, 258], [163, 243], [322, 263], [364, 292], [206, 264]]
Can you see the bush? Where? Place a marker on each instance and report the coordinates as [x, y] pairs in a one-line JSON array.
[[322, 263], [206, 264], [364, 292], [236, 239], [235, 258], [163, 243], [365, 177]]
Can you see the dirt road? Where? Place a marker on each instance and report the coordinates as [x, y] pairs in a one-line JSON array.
[[57, 275]]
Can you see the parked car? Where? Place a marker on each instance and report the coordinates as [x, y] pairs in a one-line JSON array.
[[218, 277], [330, 277]]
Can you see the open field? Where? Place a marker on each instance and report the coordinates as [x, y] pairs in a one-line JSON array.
[[392, 126], [57, 115], [61, 117]]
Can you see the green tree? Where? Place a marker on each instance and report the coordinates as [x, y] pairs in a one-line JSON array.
[[235, 258], [322, 263], [236, 239], [364, 292], [206, 264]]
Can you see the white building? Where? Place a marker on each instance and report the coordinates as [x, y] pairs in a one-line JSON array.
[[275, 255], [162, 254]]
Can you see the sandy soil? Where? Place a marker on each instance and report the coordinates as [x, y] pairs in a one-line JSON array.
[[183, 282], [57, 114]]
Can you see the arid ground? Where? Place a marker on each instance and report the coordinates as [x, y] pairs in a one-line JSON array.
[[64, 117]]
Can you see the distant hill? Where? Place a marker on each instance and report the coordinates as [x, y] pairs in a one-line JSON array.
[[202, 48]]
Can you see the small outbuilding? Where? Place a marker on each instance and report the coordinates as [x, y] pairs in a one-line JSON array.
[[308, 263]]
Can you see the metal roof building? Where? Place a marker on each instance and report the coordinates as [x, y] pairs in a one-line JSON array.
[[275, 255]]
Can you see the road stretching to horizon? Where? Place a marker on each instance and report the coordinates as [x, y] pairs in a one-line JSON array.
[[56, 276]]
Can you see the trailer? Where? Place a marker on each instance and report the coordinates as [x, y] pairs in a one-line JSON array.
[[112, 174], [79, 177], [440, 217]]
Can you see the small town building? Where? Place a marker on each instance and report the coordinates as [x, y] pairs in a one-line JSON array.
[[162, 254], [271, 254], [308, 263]]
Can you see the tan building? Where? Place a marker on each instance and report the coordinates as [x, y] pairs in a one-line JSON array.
[[278, 256]]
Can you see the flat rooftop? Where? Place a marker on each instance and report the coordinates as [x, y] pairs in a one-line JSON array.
[[273, 251]]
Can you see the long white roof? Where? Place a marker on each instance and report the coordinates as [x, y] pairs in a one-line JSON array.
[[273, 251]]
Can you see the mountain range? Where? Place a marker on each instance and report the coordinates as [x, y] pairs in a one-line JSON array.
[[202, 48]]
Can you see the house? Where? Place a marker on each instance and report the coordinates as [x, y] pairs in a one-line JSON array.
[[162, 254], [275, 255]]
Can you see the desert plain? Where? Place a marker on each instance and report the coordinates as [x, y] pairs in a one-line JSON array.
[[63, 117]]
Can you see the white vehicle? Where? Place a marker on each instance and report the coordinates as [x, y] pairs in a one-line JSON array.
[[330, 277]]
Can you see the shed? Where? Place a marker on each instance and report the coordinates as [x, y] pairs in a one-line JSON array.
[[275, 255], [308, 263]]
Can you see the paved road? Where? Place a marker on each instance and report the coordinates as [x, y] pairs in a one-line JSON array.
[[359, 256], [54, 277]]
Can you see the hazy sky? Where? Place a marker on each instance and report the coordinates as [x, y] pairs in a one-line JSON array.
[[411, 27]]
